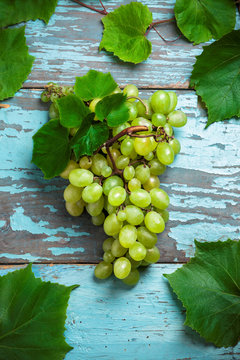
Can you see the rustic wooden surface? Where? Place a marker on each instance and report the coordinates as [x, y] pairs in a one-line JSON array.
[[107, 320]]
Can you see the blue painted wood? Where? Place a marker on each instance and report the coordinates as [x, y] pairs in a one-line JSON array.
[[108, 320]]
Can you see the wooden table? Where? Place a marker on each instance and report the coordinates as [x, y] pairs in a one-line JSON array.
[[107, 320]]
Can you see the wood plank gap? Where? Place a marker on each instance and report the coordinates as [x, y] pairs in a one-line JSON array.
[[76, 263]]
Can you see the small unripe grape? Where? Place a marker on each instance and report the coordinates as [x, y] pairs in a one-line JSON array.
[[44, 97], [127, 146], [154, 222], [92, 193], [107, 244], [133, 155], [149, 156], [173, 101], [72, 193], [138, 251], [122, 268], [98, 220], [103, 270], [177, 118], [168, 129], [152, 183], [117, 249], [133, 278], [75, 209], [85, 162], [165, 153], [70, 166], [130, 90], [134, 184], [153, 255], [53, 111], [159, 119], [121, 215], [81, 177]]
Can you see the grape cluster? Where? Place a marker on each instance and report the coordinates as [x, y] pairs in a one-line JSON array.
[[119, 185]]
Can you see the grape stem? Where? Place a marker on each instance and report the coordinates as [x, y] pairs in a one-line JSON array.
[[155, 23], [102, 12]]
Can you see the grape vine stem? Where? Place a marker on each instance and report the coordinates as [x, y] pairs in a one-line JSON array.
[[102, 12], [155, 23]]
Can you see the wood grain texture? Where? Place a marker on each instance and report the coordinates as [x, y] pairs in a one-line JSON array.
[[203, 184], [68, 47], [108, 320]]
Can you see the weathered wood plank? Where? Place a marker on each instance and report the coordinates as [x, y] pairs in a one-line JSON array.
[[203, 184], [107, 320], [68, 47]]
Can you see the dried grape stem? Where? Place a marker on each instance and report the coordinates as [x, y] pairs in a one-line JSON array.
[[155, 23], [103, 12]]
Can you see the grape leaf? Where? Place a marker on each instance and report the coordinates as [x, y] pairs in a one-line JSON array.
[[94, 84], [209, 288], [16, 11], [51, 148], [124, 30], [216, 77], [72, 111], [89, 136], [33, 314], [15, 61], [202, 20], [113, 109]]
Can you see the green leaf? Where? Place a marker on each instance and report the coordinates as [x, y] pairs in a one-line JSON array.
[[124, 32], [94, 84], [202, 20], [15, 61], [51, 148], [113, 109], [216, 77], [32, 317], [209, 288], [72, 111], [89, 137], [16, 11]]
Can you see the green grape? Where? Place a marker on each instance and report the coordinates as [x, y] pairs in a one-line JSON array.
[[117, 196], [98, 163], [122, 268], [159, 119], [134, 264], [173, 101], [146, 237], [140, 198], [72, 193], [175, 145], [81, 177], [132, 110], [130, 90], [107, 244], [153, 255], [98, 220], [145, 263], [111, 183], [117, 249], [117, 90], [177, 118], [106, 171], [134, 184], [95, 208], [140, 121], [127, 146], [54, 97], [160, 198], [137, 251], [70, 166], [112, 225], [149, 156], [168, 129], [67, 90], [142, 173], [144, 146], [53, 111], [116, 130], [156, 168], [164, 214], [127, 236], [103, 270], [132, 279], [128, 173], [73, 131], [44, 97], [122, 161], [108, 256], [108, 207], [134, 215], [142, 110], [75, 209], [92, 193], [133, 155], [93, 104], [165, 153], [85, 162], [121, 215], [152, 183], [160, 102], [154, 222], [115, 154]]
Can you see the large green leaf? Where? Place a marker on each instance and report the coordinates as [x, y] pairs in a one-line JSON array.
[[32, 317], [216, 77], [113, 109], [124, 32], [51, 149], [15, 61], [209, 288], [72, 111], [94, 84], [16, 11], [202, 20]]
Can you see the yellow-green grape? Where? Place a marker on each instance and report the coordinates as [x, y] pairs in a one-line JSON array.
[[133, 155], [122, 268], [112, 225], [108, 256], [130, 90], [151, 183], [95, 208], [106, 171], [103, 270], [159, 119], [165, 153], [142, 173], [80, 177], [107, 244], [138, 251], [173, 101], [164, 214], [145, 263], [70, 166], [154, 222], [117, 90], [115, 154], [146, 237], [53, 111], [132, 110], [133, 278], [140, 198], [145, 145], [160, 198], [122, 161], [98, 220], [110, 183], [168, 129], [153, 255], [127, 146], [98, 163], [177, 118], [134, 184], [156, 167], [75, 209], [117, 196], [72, 193], [85, 162], [160, 102], [142, 122], [73, 131], [92, 193], [121, 215], [175, 145], [144, 111], [128, 173], [127, 236], [134, 215], [149, 156], [108, 207], [134, 264], [117, 249]]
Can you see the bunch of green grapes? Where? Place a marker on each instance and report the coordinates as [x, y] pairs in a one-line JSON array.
[[119, 185]]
